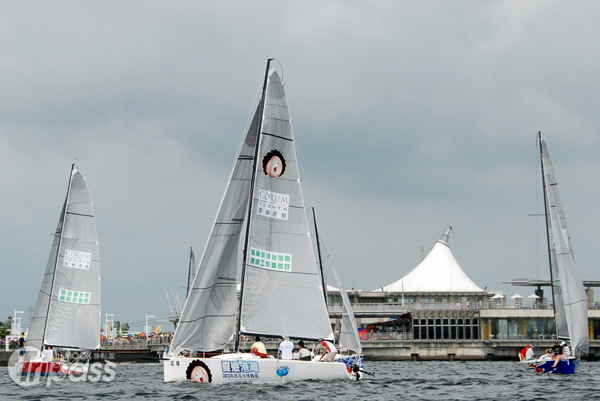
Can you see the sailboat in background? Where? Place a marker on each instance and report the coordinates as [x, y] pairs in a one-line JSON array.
[[280, 292], [67, 313], [569, 297], [349, 340]]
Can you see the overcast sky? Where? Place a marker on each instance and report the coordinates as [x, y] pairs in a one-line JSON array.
[[409, 116]]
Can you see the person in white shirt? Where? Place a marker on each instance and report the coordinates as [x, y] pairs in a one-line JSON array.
[[529, 355], [566, 349], [47, 355], [329, 350], [286, 349]]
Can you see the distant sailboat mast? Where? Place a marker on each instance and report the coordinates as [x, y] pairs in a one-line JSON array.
[[250, 205]]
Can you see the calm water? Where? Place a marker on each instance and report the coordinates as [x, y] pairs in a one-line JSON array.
[[392, 381]]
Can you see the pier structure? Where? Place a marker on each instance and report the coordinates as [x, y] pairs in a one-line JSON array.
[[436, 312]]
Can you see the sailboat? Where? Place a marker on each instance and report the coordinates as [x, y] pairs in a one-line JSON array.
[[67, 314], [349, 339], [280, 293], [569, 297]]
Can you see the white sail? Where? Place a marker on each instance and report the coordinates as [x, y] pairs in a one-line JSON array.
[[574, 296], [208, 317], [551, 191], [67, 312], [349, 337], [282, 293], [191, 272]]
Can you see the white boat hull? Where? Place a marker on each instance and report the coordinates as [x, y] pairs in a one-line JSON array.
[[230, 368]]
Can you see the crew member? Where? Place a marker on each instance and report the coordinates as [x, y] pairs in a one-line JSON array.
[[329, 350]]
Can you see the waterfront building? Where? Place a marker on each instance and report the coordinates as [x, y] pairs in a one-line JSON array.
[[437, 312]]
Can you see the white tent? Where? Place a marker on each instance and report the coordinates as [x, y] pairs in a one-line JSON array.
[[516, 296], [533, 296], [439, 272], [498, 296]]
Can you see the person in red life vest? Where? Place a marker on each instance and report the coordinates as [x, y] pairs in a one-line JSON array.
[[523, 353], [526, 353], [258, 348], [329, 350]]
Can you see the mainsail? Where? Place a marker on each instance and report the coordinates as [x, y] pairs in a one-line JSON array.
[[208, 317], [281, 292], [67, 312], [574, 297], [570, 300], [551, 192]]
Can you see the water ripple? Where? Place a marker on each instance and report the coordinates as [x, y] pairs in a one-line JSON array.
[[433, 381]]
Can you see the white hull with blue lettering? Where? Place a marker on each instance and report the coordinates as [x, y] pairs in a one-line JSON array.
[[243, 367]]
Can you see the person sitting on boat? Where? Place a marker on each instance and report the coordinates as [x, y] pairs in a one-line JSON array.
[[565, 349], [523, 353], [47, 354], [258, 348], [329, 350], [556, 353], [529, 355], [303, 352], [286, 349], [526, 353]]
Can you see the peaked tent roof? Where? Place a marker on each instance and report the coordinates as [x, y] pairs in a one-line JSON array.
[[439, 272]]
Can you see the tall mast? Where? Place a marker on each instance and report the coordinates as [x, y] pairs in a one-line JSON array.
[[546, 214], [250, 205], [319, 253], [62, 227]]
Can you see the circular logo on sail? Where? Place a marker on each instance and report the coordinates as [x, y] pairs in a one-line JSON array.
[[274, 164]]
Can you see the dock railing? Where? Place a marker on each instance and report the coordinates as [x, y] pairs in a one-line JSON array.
[[408, 306]]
